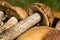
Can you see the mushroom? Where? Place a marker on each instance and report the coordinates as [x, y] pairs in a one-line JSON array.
[[11, 22], [46, 13], [40, 33], [20, 27], [10, 10]]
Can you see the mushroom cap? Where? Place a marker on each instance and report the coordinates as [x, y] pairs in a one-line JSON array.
[[56, 14], [45, 11], [21, 12], [10, 10], [40, 33]]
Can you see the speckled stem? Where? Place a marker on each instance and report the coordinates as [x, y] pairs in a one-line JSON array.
[[1, 18], [21, 27], [12, 21]]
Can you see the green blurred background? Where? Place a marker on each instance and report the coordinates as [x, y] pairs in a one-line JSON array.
[[54, 4]]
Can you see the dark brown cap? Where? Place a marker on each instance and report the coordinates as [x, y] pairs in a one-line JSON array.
[[45, 11], [53, 35]]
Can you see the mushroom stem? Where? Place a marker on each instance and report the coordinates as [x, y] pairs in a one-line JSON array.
[[58, 25], [1, 18], [44, 10], [12, 21], [21, 27]]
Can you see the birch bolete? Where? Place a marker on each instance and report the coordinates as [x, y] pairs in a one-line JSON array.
[[45, 12], [9, 11]]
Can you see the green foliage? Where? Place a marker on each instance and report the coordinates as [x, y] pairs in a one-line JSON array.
[[54, 4]]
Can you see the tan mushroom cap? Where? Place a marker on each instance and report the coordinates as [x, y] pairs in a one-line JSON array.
[[38, 33], [56, 14], [35, 33], [18, 12], [21, 12], [47, 13]]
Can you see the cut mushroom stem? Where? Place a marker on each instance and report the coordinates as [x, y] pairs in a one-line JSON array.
[[21, 27], [58, 25], [12, 21], [1, 18]]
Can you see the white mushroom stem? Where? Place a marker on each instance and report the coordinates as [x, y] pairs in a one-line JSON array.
[[58, 25], [21, 27], [12, 21], [1, 18]]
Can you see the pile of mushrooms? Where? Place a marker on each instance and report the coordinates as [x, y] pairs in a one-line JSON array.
[[34, 22]]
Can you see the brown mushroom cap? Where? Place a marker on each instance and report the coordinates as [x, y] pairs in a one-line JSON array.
[[45, 11], [53, 35], [10, 10], [56, 13], [40, 33], [21, 12]]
